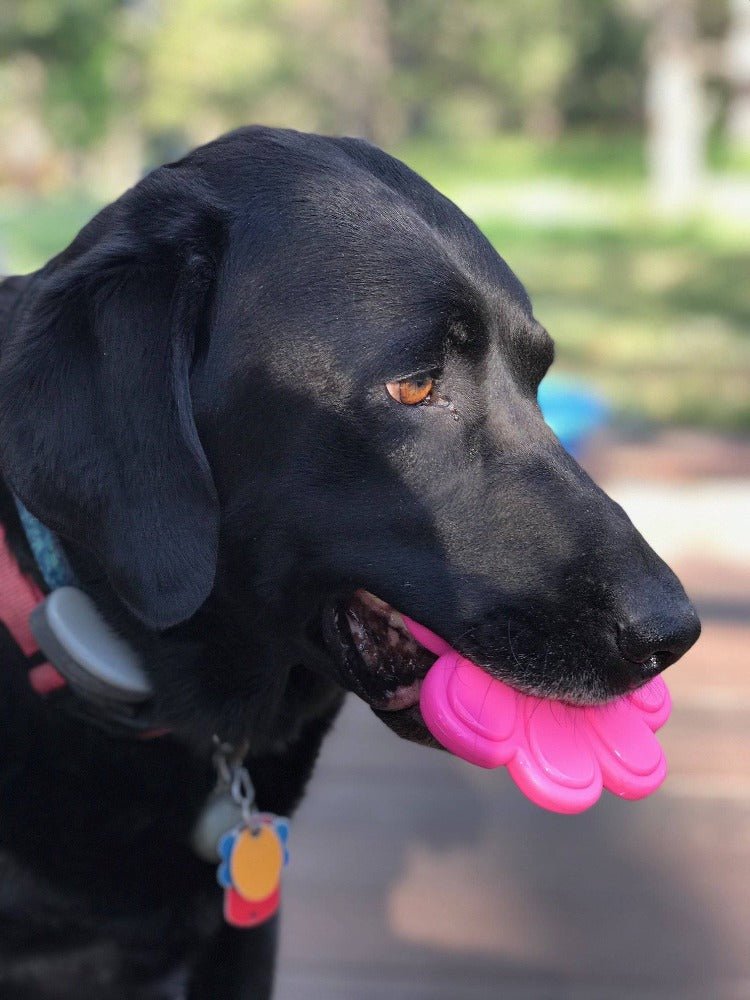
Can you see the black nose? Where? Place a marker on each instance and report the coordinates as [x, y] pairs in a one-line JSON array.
[[654, 640]]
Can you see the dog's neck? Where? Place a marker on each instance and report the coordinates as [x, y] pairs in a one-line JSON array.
[[206, 673]]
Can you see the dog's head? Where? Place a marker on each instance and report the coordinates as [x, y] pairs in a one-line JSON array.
[[287, 368]]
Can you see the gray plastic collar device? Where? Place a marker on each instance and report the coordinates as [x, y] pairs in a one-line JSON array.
[[87, 652]]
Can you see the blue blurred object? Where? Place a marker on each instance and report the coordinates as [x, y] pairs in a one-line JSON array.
[[572, 410]]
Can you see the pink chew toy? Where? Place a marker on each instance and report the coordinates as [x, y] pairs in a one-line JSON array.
[[559, 755]]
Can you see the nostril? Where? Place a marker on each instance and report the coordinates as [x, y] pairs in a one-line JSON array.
[[642, 652], [654, 665], [654, 643]]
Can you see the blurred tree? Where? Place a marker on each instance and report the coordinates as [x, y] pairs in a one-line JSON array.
[[73, 44], [478, 66], [606, 83], [320, 64], [537, 65], [102, 74], [677, 117], [383, 68]]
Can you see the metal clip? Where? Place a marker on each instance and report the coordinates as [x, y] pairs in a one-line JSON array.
[[233, 775], [231, 803]]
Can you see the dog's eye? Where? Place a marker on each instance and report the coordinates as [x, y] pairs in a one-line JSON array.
[[411, 391]]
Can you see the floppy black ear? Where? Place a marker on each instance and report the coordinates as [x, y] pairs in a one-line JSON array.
[[97, 435]]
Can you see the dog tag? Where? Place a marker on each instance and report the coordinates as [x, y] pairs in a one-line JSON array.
[[252, 853], [252, 858]]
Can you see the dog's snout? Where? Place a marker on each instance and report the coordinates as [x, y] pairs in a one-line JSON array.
[[654, 639]]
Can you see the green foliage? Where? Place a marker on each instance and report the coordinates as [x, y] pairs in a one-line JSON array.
[[607, 81], [382, 68], [579, 155], [316, 64], [75, 43], [473, 67]]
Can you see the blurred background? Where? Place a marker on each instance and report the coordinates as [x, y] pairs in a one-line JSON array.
[[604, 147]]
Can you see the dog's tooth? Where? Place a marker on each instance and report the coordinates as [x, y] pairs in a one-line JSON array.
[[357, 628], [403, 696], [397, 622], [362, 640]]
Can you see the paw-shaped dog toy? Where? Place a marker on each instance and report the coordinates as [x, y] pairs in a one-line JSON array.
[[559, 755]]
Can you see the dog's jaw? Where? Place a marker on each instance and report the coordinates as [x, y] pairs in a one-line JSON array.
[[376, 656]]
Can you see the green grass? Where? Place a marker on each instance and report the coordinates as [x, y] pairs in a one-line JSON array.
[[657, 315], [32, 230], [581, 157], [659, 322]]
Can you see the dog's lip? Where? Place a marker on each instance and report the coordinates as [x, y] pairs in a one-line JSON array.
[[438, 646], [379, 658]]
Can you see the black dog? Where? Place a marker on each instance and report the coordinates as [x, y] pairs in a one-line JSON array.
[[274, 379]]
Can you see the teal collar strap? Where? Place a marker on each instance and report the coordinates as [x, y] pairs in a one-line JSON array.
[[46, 548]]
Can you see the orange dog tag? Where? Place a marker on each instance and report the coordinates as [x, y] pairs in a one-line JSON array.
[[252, 858]]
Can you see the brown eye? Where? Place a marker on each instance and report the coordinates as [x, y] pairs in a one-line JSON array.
[[411, 391]]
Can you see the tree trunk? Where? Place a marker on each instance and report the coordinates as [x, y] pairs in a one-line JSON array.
[[676, 113], [738, 72]]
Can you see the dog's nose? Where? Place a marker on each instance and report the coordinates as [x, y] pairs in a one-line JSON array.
[[654, 639]]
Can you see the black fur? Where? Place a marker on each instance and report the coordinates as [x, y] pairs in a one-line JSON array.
[[192, 395]]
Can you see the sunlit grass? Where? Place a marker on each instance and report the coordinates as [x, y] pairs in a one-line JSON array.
[[661, 324], [581, 157]]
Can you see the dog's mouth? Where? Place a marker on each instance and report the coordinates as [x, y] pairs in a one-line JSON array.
[[379, 660], [378, 657]]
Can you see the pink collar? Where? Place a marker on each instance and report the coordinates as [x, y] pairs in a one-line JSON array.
[[19, 595]]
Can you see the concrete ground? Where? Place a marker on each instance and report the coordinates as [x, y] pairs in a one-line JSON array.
[[417, 876]]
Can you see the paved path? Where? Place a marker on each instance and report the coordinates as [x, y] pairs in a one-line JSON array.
[[416, 876]]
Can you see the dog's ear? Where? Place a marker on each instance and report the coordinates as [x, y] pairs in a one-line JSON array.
[[97, 435]]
